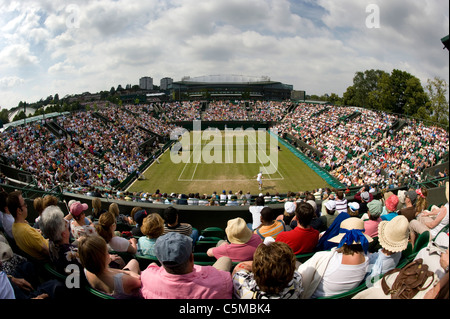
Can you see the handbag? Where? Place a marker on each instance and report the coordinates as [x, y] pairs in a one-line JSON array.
[[410, 280]]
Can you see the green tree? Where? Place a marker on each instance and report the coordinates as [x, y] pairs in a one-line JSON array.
[[437, 105]]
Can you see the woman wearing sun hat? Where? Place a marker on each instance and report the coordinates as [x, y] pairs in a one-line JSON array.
[[341, 269], [393, 237], [242, 242]]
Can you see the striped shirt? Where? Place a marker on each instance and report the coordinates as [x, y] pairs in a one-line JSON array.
[[341, 205], [271, 231], [182, 228]]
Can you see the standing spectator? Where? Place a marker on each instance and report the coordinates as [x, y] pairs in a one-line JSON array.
[[179, 277], [303, 238], [269, 226], [271, 275], [27, 238], [243, 242]]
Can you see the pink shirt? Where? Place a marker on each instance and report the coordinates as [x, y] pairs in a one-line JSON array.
[[238, 252], [371, 227], [204, 282]]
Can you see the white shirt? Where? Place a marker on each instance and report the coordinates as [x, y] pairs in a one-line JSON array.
[[259, 177], [256, 215], [339, 278]]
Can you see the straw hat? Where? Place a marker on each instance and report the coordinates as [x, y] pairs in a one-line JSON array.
[[237, 231], [393, 235], [352, 223], [391, 203]]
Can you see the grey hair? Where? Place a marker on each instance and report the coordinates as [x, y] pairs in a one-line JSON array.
[[52, 223]]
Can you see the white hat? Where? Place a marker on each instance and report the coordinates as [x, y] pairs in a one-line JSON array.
[[289, 207], [352, 223], [393, 235], [330, 205]]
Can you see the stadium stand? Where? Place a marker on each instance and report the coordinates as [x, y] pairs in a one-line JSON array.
[[76, 156]]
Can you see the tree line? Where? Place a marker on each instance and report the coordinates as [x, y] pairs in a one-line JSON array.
[[397, 92]]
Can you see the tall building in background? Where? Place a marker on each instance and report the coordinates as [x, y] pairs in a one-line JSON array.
[[146, 83], [165, 82]]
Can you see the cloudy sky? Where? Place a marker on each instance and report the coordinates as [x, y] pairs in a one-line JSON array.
[[69, 47]]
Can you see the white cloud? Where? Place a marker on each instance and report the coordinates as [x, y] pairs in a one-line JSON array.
[[10, 81], [316, 46]]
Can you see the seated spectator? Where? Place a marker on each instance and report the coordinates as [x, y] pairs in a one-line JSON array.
[[27, 238], [7, 218], [390, 207], [324, 240], [242, 242], [255, 210], [303, 238], [138, 214], [363, 198], [410, 210], [106, 228], [339, 270], [232, 201], [152, 228], [79, 226], [330, 213], [393, 237], [269, 226], [172, 224], [179, 277], [119, 283], [432, 221], [341, 202], [271, 275], [56, 229], [374, 211], [288, 214]]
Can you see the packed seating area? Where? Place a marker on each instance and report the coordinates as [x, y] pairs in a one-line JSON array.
[[330, 246], [321, 247], [358, 145]]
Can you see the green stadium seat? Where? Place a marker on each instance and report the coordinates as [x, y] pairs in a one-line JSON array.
[[213, 232]]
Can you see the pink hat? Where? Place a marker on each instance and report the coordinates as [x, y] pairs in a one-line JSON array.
[[391, 203], [77, 208]]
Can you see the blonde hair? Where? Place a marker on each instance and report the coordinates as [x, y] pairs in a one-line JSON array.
[[49, 200], [422, 202], [96, 206], [273, 266], [114, 209], [153, 226], [103, 227]]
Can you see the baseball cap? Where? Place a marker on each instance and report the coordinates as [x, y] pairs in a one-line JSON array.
[[77, 208], [173, 249]]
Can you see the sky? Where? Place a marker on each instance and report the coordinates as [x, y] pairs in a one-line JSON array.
[[71, 47]]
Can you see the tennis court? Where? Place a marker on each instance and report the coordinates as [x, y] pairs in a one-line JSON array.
[[207, 161]]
